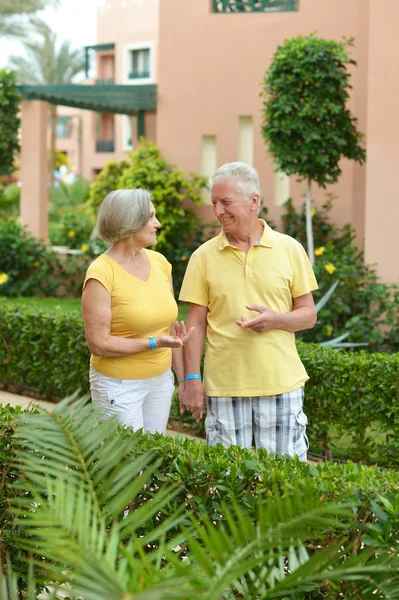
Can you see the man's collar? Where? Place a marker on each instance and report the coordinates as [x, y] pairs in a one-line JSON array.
[[265, 239]]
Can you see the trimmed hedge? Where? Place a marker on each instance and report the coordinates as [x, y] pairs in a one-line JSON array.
[[355, 394], [207, 479]]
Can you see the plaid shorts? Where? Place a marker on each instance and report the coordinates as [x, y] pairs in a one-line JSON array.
[[276, 423]]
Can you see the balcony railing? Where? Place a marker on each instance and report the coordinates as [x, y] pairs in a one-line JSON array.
[[105, 145], [139, 74], [240, 6], [109, 81]]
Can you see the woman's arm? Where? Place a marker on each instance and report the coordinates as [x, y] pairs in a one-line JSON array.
[[97, 316]]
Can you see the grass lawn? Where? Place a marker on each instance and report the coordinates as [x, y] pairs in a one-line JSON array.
[[66, 304]]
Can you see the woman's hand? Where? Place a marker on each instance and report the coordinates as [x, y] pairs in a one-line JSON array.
[[179, 331], [179, 336]]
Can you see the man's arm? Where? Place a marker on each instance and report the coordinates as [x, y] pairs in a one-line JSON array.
[[303, 316], [194, 395]]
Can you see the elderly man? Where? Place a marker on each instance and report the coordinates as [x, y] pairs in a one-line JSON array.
[[253, 376]]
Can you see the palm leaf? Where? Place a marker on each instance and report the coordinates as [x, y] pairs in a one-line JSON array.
[[77, 511]]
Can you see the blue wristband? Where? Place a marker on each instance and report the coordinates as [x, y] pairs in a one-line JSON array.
[[153, 344], [193, 376]]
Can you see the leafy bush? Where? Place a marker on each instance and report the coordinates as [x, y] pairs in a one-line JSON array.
[[9, 200], [44, 350], [68, 195], [361, 304], [94, 503], [181, 231], [351, 394], [71, 228], [28, 268]]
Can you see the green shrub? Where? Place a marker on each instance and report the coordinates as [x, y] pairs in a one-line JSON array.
[[348, 394], [43, 350], [135, 497], [71, 228], [182, 231], [69, 195], [9, 200], [361, 304], [29, 268], [25, 262]]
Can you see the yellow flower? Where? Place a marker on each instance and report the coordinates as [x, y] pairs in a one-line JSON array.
[[313, 211], [319, 251], [71, 233], [330, 268], [3, 278], [329, 330], [84, 247], [183, 258]]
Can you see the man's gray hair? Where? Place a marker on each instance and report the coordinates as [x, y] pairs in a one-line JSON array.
[[246, 177], [122, 213]]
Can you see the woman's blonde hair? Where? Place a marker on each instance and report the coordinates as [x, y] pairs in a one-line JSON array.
[[122, 213]]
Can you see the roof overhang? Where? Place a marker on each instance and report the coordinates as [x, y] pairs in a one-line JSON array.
[[121, 99]]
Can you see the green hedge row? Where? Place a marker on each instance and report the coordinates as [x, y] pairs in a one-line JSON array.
[[209, 479], [350, 394]]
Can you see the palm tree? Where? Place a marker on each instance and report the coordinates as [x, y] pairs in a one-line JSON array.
[[46, 64], [16, 17], [92, 516]]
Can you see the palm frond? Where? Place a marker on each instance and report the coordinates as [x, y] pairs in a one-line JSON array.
[[85, 513]]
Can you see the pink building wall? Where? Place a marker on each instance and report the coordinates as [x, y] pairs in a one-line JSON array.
[[211, 67], [382, 202]]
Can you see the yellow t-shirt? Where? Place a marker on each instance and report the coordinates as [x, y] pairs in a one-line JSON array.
[[140, 309], [240, 362]]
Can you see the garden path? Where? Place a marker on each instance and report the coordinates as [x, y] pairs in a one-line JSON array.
[[25, 402]]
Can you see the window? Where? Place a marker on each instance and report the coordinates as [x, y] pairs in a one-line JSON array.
[[140, 64], [62, 127]]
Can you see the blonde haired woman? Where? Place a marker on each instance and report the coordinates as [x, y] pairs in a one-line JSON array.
[[130, 313]]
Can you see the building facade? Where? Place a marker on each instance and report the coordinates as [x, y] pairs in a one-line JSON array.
[[207, 59]]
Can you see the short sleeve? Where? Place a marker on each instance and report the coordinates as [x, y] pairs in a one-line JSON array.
[[304, 280], [102, 272], [194, 288]]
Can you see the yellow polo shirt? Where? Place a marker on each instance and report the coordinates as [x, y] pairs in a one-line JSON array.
[[140, 309], [240, 362]]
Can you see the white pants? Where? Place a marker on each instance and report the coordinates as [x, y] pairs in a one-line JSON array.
[[138, 403]]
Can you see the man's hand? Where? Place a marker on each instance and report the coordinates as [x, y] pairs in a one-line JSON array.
[[194, 398], [265, 320]]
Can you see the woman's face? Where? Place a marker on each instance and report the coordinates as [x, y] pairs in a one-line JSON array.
[[147, 236]]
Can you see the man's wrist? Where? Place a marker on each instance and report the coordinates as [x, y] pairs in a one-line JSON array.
[[193, 377]]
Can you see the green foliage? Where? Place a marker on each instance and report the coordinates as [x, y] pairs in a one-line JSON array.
[[361, 304], [105, 182], [44, 350], [181, 232], [307, 126], [28, 268], [348, 393], [9, 121], [353, 394], [69, 195], [71, 228], [9, 200], [116, 515]]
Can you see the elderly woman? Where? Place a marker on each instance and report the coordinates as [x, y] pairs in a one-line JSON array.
[[129, 313]]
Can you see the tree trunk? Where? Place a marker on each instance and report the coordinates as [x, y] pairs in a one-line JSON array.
[[309, 226], [53, 122]]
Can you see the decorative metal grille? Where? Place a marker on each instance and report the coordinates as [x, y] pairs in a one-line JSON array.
[[240, 6]]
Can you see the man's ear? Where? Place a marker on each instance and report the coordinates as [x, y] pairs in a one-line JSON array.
[[255, 200]]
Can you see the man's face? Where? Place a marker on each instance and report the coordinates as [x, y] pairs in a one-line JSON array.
[[234, 212]]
